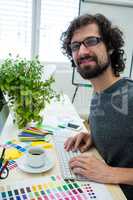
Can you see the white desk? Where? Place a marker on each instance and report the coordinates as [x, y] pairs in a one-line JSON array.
[[56, 110]]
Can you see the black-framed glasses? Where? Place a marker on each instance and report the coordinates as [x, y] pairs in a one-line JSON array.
[[87, 42]]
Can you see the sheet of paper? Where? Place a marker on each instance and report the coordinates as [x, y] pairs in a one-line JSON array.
[[54, 187]]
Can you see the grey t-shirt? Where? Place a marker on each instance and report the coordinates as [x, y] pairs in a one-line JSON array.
[[111, 123]]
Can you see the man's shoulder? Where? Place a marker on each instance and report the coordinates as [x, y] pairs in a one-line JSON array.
[[128, 82], [129, 91]]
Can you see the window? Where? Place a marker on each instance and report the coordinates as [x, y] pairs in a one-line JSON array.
[[15, 27], [55, 17], [27, 29]]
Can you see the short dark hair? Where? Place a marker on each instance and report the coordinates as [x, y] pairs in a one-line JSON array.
[[112, 37]]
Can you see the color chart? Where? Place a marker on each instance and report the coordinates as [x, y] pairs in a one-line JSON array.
[[54, 188], [13, 144]]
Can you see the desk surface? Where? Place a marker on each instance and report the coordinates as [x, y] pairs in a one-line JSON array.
[[63, 109]]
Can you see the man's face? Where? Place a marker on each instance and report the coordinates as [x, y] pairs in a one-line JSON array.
[[91, 60]]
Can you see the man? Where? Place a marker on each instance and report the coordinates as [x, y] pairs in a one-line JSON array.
[[95, 48]]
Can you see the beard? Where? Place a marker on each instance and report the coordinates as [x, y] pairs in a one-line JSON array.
[[88, 71]]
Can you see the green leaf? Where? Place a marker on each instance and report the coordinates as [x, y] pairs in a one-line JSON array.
[[21, 80]]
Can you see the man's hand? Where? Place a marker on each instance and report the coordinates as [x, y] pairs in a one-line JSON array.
[[92, 168], [82, 141]]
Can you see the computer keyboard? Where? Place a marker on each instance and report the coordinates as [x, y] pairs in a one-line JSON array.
[[64, 157]]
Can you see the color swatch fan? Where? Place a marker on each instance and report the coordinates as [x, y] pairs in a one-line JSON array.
[[13, 151]]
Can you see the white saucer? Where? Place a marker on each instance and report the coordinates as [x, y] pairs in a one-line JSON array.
[[21, 163]]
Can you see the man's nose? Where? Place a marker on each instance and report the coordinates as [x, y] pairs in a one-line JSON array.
[[83, 49]]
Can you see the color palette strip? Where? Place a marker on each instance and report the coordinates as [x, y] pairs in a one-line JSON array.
[[12, 164], [12, 144], [54, 188]]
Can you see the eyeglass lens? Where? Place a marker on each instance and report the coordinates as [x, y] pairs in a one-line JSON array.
[[88, 42]]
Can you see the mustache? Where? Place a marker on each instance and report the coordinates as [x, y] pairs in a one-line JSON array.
[[87, 57]]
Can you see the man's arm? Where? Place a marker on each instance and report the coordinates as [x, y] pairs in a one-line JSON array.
[[97, 170], [122, 175]]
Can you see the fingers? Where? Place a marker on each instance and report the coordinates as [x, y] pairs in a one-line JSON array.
[[79, 170], [77, 163], [89, 166], [79, 159], [84, 147], [73, 143], [78, 167], [78, 141], [68, 145]]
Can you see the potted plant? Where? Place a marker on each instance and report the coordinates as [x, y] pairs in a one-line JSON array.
[[28, 94]]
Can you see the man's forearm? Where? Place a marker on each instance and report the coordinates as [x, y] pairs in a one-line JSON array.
[[120, 175]]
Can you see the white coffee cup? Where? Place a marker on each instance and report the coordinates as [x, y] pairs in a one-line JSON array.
[[35, 157]]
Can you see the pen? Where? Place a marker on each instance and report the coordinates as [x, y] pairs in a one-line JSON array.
[[33, 132], [29, 134], [37, 132], [3, 152], [1, 158], [36, 129], [61, 126], [49, 132]]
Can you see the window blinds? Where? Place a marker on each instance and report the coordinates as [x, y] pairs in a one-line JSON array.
[[15, 27], [17, 32], [55, 17]]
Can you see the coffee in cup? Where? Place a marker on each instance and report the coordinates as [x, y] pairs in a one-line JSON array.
[[35, 157]]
